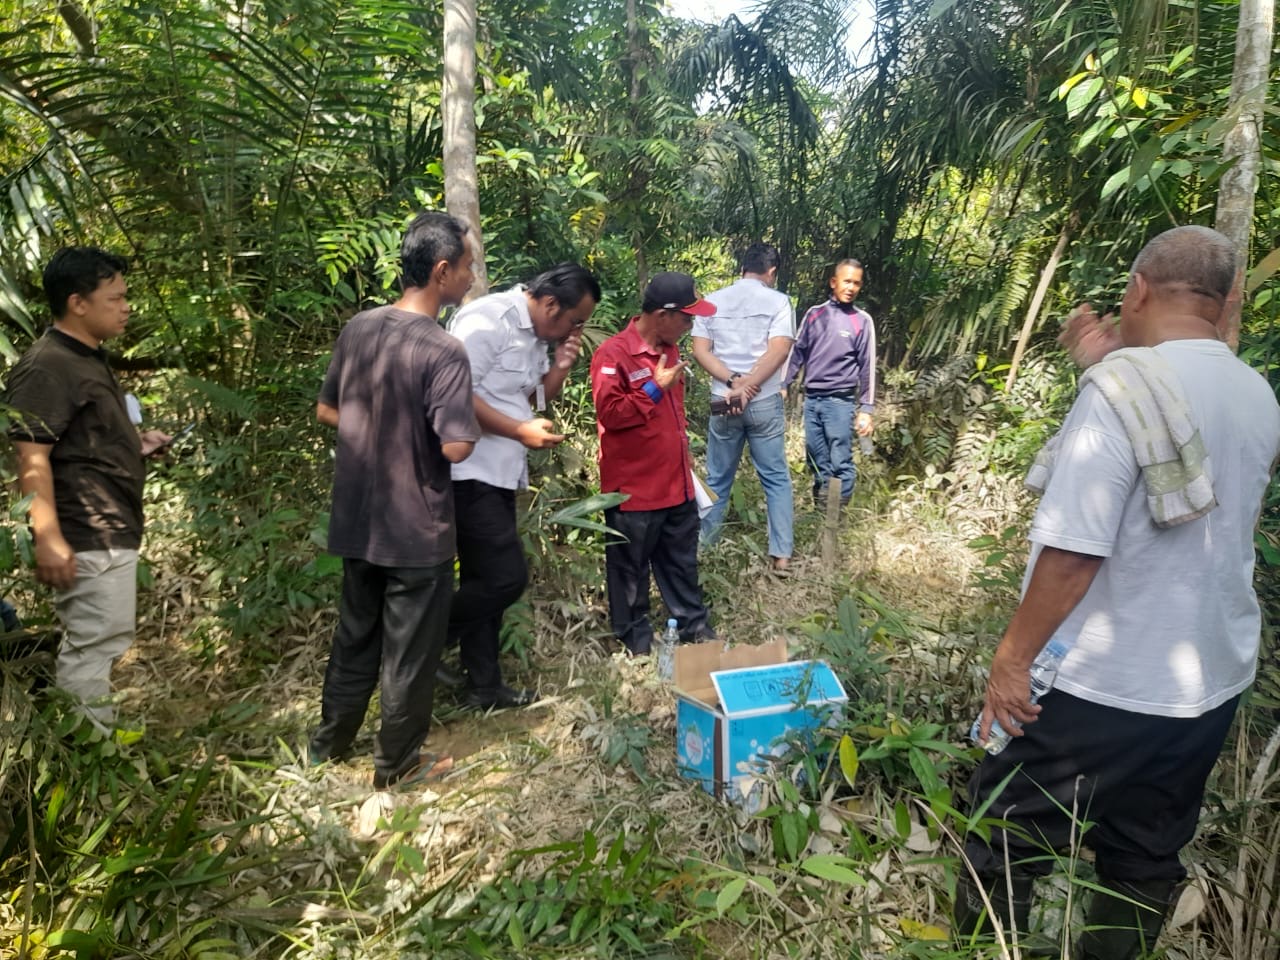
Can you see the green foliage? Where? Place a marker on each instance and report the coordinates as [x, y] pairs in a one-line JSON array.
[[621, 738], [258, 162], [361, 259], [910, 755], [241, 510], [617, 899], [935, 406], [17, 550], [562, 521], [1003, 561], [107, 843], [872, 740], [855, 649], [792, 822], [227, 125]]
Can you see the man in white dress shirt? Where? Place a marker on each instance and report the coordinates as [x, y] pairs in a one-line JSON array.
[[507, 336]]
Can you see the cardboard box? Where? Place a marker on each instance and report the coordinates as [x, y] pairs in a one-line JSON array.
[[736, 708]]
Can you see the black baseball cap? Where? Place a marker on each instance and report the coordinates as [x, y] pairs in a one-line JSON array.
[[674, 291]]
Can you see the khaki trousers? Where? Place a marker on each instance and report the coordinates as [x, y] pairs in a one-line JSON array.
[[98, 614]]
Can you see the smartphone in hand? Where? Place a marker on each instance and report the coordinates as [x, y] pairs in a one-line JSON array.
[[177, 438]]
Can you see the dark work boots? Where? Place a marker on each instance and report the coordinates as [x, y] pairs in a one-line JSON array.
[[1124, 926], [1011, 899]]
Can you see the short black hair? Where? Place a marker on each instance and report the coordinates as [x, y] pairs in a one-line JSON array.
[[432, 237], [78, 270], [760, 258], [847, 262], [567, 283]]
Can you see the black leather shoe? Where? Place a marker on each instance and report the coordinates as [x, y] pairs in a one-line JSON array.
[[450, 676], [500, 697]]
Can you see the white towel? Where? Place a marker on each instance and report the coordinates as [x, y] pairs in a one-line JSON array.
[[1147, 397]]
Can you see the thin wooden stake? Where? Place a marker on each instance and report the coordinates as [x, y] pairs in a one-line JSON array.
[[831, 526]]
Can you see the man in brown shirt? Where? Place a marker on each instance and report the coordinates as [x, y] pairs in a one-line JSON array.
[[399, 391], [81, 461]]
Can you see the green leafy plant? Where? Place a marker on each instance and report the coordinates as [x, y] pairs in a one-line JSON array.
[[621, 738], [1003, 561], [851, 646], [620, 898], [111, 843]]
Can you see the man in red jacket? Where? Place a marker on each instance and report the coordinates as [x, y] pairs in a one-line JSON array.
[[637, 382]]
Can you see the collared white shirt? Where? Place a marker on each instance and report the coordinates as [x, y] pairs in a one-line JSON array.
[[508, 361], [748, 314]]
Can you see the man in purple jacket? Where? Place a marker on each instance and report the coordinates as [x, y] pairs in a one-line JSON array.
[[836, 345]]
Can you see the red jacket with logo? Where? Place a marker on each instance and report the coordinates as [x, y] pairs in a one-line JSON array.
[[644, 443]]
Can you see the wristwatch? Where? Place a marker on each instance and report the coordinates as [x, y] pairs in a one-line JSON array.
[[732, 377]]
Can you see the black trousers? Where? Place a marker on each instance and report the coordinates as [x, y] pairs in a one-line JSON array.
[[391, 628], [666, 542], [1138, 779], [492, 576]]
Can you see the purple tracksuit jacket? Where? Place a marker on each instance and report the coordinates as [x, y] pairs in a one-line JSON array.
[[836, 345]]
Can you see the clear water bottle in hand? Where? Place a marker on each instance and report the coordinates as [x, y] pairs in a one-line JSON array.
[[666, 653], [1044, 669], [866, 445]]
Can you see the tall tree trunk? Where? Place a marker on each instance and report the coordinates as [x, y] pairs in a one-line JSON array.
[[635, 66], [1037, 299], [1241, 146], [458, 110]]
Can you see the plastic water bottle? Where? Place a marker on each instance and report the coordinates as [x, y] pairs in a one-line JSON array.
[[866, 445], [1044, 670], [667, 650]]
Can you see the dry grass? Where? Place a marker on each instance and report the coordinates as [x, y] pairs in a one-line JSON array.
[[532, 778]]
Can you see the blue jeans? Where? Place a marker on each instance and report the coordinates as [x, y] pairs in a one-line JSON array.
[[762, 426], [828, 443]]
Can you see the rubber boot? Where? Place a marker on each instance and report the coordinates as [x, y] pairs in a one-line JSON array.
[[971, 916], [1125, 929]]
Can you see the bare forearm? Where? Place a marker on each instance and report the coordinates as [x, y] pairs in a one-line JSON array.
[[327, 415], [1059, 582], [495, 421], [770, 362], [708, 361], [55, 560], [455, 451], [35, 475], [553, 381]]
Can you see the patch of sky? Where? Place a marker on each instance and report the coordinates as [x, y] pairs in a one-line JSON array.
[[860, 18]]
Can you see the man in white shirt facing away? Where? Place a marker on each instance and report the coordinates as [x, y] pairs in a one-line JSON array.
[[1159, 612], [744, 347]]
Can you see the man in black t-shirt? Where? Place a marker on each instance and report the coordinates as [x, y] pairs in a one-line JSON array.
[[80, 459], [399, 391]]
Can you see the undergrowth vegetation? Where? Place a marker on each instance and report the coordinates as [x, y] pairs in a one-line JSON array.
[[198, 830], [257, 163]]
